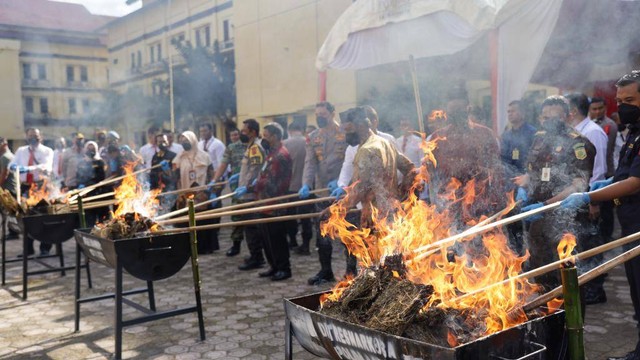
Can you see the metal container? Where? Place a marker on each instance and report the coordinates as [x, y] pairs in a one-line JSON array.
[[323, 336], [50, 228]]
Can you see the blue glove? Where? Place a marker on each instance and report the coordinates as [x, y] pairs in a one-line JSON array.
[[521, 195], [20, 169], [233, 179], [338, 192], [211, 185], [254, 182], [240, 191], [81, 186], [576, 200], [304, 191], [125, 149], [535, 217], [332, 185], [166, 165], [213, 197], [600, 184]]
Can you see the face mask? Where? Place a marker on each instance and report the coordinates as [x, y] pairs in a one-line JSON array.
[[162, 147], [186, 146], [629, 114], [32, 141], [553, 125], [266, 146], [91, 154], [352, 139], [244, 138], [79, 143], [322, 121]]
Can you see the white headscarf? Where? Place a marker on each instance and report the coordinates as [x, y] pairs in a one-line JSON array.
[[95, 146]]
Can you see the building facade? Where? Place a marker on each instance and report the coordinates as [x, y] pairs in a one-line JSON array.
[[53, 65]]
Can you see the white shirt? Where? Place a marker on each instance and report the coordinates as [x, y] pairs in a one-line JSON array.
[[411, 149], [598, 138], [346, 172], [176, 148], [215, 149], [43, 157], [57, 167], [147, 152]]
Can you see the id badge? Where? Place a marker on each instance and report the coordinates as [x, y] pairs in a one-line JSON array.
[[515, 154], [546, 174], [192, 175]]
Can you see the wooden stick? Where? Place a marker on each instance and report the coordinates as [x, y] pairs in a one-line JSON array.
[[94, 205], [111, 180], [244, 222], [584, 278], [426, 250], [91, 198], [554, 265], [249, 211], [253, 203], [197, 188], [184, 210]]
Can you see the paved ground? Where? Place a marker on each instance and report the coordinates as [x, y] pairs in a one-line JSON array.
[[244, 315]]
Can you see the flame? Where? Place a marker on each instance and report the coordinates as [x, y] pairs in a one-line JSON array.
[[555, 304], [566, 246], [337, 291], [132, 197], [47, 192], [438, 114], [451, 339], [486, 259]]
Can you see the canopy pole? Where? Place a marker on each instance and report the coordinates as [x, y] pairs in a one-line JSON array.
[[322, 85], [493, 59], [416, 93]]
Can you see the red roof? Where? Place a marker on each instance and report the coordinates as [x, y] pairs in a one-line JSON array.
[[52, 15]]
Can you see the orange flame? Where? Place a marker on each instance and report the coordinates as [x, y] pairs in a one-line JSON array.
[[337, 291], [438, 115], [566, 246], [46, 192], [486, 259], [132, 197], [554, 305], [451, 339]]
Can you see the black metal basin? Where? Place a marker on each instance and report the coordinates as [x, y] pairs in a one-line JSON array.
[[323, 336], [50, 228], [148, 258]]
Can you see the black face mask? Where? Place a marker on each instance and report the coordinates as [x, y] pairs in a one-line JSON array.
[[32, 141], [79, 143], [162, 147], [244, 138], [322, 121], [265, 145], [553, 125], [629, 114], [352, 139], [91, 154], [186, 146]]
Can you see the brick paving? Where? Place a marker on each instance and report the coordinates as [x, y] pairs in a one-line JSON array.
[[244, 315]]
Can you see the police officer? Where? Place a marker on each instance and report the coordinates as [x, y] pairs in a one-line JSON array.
[[325, 153], [623, 187], [249, 169], [560, 162]]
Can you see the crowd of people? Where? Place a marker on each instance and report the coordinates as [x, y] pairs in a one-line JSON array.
[[576, 148]]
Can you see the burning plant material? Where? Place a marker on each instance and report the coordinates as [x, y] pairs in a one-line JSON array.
[[128, 226], [9, 203]]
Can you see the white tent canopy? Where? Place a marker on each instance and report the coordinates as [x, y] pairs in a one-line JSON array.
[[375, 32]]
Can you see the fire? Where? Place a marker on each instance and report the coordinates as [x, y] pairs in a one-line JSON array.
[[452, 271], [554, 305], [437, 115], [566, 246], [47, 192], [337, 290], [132, 197]]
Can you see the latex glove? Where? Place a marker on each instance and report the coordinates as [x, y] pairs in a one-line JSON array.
[[338, 192], [19, 168], [532, 218], [304, 193], [521, 195], [213, 196], [576, 200], [211, 186], [600, 184], [81, 186], [233, 179], [332, 185], [240, 191], [166, 165]]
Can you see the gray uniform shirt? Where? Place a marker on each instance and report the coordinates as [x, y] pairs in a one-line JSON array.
[[296, 145], [325, 154]]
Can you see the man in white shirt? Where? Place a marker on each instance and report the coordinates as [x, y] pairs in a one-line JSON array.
[[409, 143], [173, 147], [150, 148], [209, 144], [71, 158], [60, 144], [579, 119]]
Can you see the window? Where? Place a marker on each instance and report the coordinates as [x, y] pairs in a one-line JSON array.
[[133, 60], [44, 105], [159, 51], [203, 36], [227, 30], [86, 105], [198, 38], [207, 36], [28, 105], [139, 58], [26, 71], [152, 53], [72, 106], [176, 39], [70, 74], [84, 75], [42, 72]]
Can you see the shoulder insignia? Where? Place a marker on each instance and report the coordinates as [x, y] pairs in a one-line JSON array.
[[541, 132], [255, 155], [580, 151], [574, 135]]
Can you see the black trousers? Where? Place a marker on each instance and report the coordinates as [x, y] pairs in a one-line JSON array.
[[306, 224], [24, 190], [628, 215], [276, 248], [254, 237]]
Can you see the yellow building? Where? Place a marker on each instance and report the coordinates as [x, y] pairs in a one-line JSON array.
[[53, 67], [140, 44], [276, 46]]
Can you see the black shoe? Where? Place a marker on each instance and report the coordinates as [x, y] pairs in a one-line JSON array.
[[44, 252], [268, 273], [250, 265], [630, 356], [321, 278], [233, 251], [592, 297], [302, 250], [281, 275], [293, 245]]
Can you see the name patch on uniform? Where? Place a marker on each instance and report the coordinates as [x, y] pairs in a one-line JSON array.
[[546, 174], [515, 154], [580, 151], [558, 148]]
